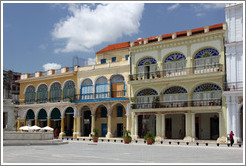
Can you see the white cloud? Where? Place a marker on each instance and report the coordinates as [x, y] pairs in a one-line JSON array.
[[87, 27], [42, 46], [49, 66], [213, 5], [91, 61], [174, 6]]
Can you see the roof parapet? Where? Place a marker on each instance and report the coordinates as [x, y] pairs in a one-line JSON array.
[[206, 29], [174, 35]]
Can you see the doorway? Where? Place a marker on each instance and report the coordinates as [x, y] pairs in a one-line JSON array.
[[168, 128], [146, 72], [214, 128], [119, 129], [87, 123], [104, 129], [197, 127]]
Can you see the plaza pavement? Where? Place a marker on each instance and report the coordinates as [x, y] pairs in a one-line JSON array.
[[117, 152]]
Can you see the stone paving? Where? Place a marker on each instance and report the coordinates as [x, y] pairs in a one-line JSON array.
[[79, 151]]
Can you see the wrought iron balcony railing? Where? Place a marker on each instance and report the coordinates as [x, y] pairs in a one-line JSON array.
[[233, 86], [175, 104], [177, 72], [101, 95]]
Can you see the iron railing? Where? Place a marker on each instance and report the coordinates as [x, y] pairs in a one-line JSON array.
[[175, 104], [177, 72], [233, 86]]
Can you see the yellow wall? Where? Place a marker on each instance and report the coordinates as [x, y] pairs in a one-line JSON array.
[[119, 54], [48, 81]]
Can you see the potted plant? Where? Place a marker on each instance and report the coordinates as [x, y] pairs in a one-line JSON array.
[[149, 137], [126, 136], [95, 135], [155, 102]]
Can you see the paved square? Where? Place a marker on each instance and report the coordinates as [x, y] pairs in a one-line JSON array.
[[116, 152]]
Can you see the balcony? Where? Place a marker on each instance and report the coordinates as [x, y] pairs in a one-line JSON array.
[[101, 96], [177, 72], [176, 104], [81, 97], [233, 86]]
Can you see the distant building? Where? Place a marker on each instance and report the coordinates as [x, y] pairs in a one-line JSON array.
[[10, 99], [233, 87]]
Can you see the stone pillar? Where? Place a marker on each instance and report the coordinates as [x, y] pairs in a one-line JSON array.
[[18, 125], [193, 129], [62, 133], [188, 136], [229, 114], [163, 130], [234, 117], [109, 134], [136, 127], [127, 122], [109, 89], [48, 121], [220, 124], [132, 125], [158, 127], [82, 124], [79, 126], [92, 123], [74, 127], [36, 121]]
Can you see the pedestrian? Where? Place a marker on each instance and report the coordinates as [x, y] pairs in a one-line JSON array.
[[231, 137], [56, 133]]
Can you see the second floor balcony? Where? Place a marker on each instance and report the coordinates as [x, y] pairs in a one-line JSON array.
[[175, 72], [176, 104]]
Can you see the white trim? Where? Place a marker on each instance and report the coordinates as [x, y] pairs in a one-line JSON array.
[[94, 83], [41, 84], [53, 83], [28, 86], [81, 81]]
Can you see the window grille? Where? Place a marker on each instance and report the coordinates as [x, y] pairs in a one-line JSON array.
[[42, 94], [101, 87], [30, 95], [55, 92], [175, 64], [69, 90]]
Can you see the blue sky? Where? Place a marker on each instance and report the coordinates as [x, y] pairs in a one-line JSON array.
[[38, 34]]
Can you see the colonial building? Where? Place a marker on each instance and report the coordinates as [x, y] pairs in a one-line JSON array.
[[45, 99], [234, 68], [103, 93], [176, 85], [77, 100]]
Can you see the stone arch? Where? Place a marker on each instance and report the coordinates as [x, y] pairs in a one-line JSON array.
[[65, 82], [42, 84], [141, 89], [178, 55], [204, 48], [27, 87], [52, 83]]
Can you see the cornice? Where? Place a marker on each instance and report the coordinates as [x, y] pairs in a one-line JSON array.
[[178, 41], [48, 77]]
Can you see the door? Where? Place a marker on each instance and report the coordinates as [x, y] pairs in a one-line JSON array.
[[118, 89], [87, 123], [168, 128], [146, 72], [119, 129], [197, 127], [214, 128], [104, 129]]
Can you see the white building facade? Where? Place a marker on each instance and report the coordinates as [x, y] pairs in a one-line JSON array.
[[233, 89]]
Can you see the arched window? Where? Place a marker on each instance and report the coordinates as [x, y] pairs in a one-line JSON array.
[[174, 65], [86, 90], [42, 94], [30, 95], [55, 92], [175, 96], [30, 117], [103, 112], [207, 94], [145, 98], [69, 91], [117, 86], [147, 67], [101, 88], [42, 118], [206, 60]]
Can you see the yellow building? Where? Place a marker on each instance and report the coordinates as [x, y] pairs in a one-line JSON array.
[[77, 100], [103, 93], [45, 99], [176, 85]]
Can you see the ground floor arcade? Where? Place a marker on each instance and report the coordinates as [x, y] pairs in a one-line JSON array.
[[185, 125]]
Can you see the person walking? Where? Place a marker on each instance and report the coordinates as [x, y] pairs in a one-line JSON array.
[[231, 137]]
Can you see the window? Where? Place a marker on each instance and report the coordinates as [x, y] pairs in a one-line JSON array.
[[103, 61], [126, 56], [119, 111], [103, 112], [114, 59], [5, 115]]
